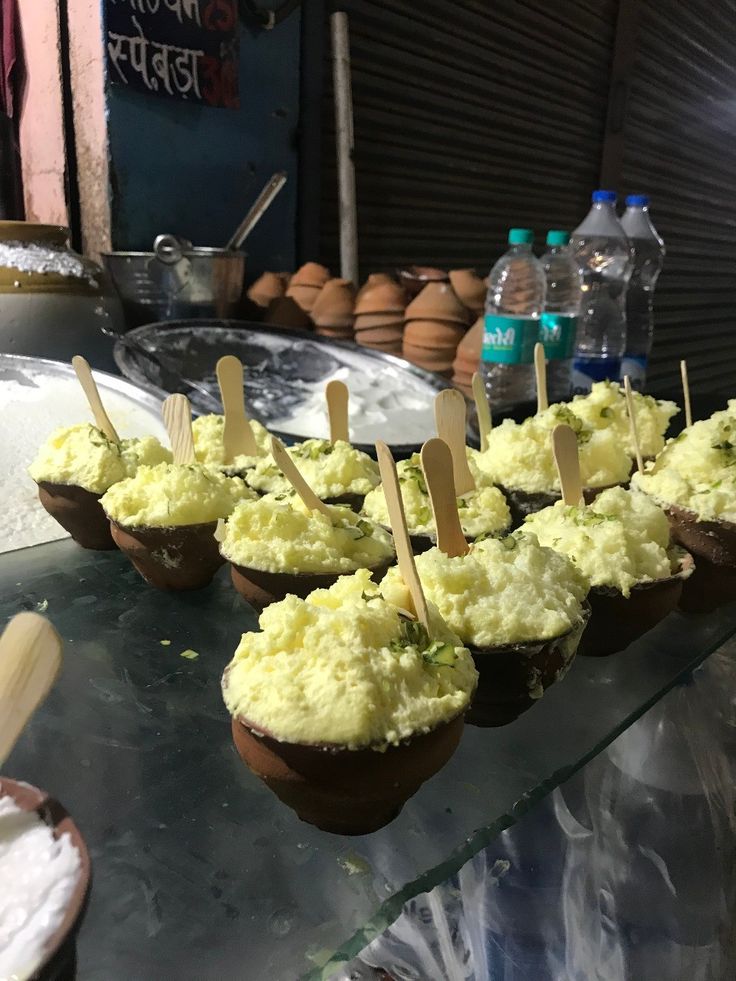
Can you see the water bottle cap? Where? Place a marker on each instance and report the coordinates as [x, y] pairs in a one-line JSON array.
[[558, 237], [521, 236], [637, 201], [609, 197]]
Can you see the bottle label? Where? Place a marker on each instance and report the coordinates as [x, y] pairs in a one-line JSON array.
[[635, 366], [557, 331], [509, 340], [585, 371]]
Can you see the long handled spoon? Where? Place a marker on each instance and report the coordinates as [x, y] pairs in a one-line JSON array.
[[102, 420], [540, 370], [483, 410], [337, 395], [397, 518], [177, 415], [290, 470], [686, 394], [437, 466], [632, 424], [449, 415], [30, 658], [565, 451], [237, 435]]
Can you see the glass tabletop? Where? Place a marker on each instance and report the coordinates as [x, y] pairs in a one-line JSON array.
[[199, 872]]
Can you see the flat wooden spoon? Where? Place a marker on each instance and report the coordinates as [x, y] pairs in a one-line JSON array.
[[437, 466], [632, 424], [565, 451], [449, 415], [177, 415], [237, 435], [337, 395], [540, 370], [290, 470], [89, 385], [483, 410], [30, 658], [402, 542]]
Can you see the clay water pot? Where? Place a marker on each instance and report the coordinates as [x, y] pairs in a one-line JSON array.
[[179, 557], [340, 790], [79, 512], [59, 953], [713, 543], [509, 673], [617, 621]]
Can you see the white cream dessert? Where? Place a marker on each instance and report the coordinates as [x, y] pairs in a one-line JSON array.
[[171, 495], [620, 540], [343, 668], [519, 455], [332, 470], [605, 408], [697, 469], [482, 512], [278, 533], [38, 875], [504, 591], [83, 456]]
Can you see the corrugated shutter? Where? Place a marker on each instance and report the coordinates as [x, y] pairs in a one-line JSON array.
[[470, 117], [679, 146]]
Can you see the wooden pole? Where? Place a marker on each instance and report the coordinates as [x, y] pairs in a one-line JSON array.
[[345, 146]]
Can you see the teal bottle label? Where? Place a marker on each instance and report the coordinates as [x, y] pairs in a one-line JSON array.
[[509, 340], [557, 331]]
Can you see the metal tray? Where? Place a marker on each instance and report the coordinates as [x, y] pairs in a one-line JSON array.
[[285, 374]]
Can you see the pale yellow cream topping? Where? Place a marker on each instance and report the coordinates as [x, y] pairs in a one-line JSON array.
[[605, 407], [343, 668], [210, 449], [330, 469], [83, 456]]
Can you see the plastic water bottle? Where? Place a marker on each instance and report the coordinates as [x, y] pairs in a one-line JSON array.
[[559, 322], [649, 255], [514, 304], [603, 255]]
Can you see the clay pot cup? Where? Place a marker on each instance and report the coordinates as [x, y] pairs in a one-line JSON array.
[[181, 557], [79, 512], [617, 621], [713, 543], [509, 674], [260, 588], [345, 791], [58, 959]]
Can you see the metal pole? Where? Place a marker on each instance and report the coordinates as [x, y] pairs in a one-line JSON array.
[[345, 146]]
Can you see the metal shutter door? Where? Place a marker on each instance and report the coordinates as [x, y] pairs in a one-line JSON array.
[[470, 117], [679, 147]]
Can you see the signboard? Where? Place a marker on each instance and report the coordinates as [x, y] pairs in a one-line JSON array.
[[181, 49]]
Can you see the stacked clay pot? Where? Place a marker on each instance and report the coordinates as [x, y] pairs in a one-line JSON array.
[[379, 314], [268, 287], [467, 357], [415, 278], [332, 313], [293, 309], [470, 289], [434, 324]]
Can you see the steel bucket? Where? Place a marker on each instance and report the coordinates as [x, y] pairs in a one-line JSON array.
[[177, 281]]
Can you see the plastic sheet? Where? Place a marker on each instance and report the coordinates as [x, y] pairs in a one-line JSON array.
[[627, 872]]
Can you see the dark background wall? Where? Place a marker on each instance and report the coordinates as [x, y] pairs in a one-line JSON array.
[[471, 117]]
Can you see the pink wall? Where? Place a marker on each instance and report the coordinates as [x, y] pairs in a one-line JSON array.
[[41, 117]]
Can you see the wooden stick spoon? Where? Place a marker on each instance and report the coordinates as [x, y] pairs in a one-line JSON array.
[[177, 415], [337, 395], [449, 415], [102, 420], [437, 466], [540, 370], [397, 519], [686, 394], [632, 424], [290, 470], [237, 435], [30, 658], [483, 409], [565, 451]]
